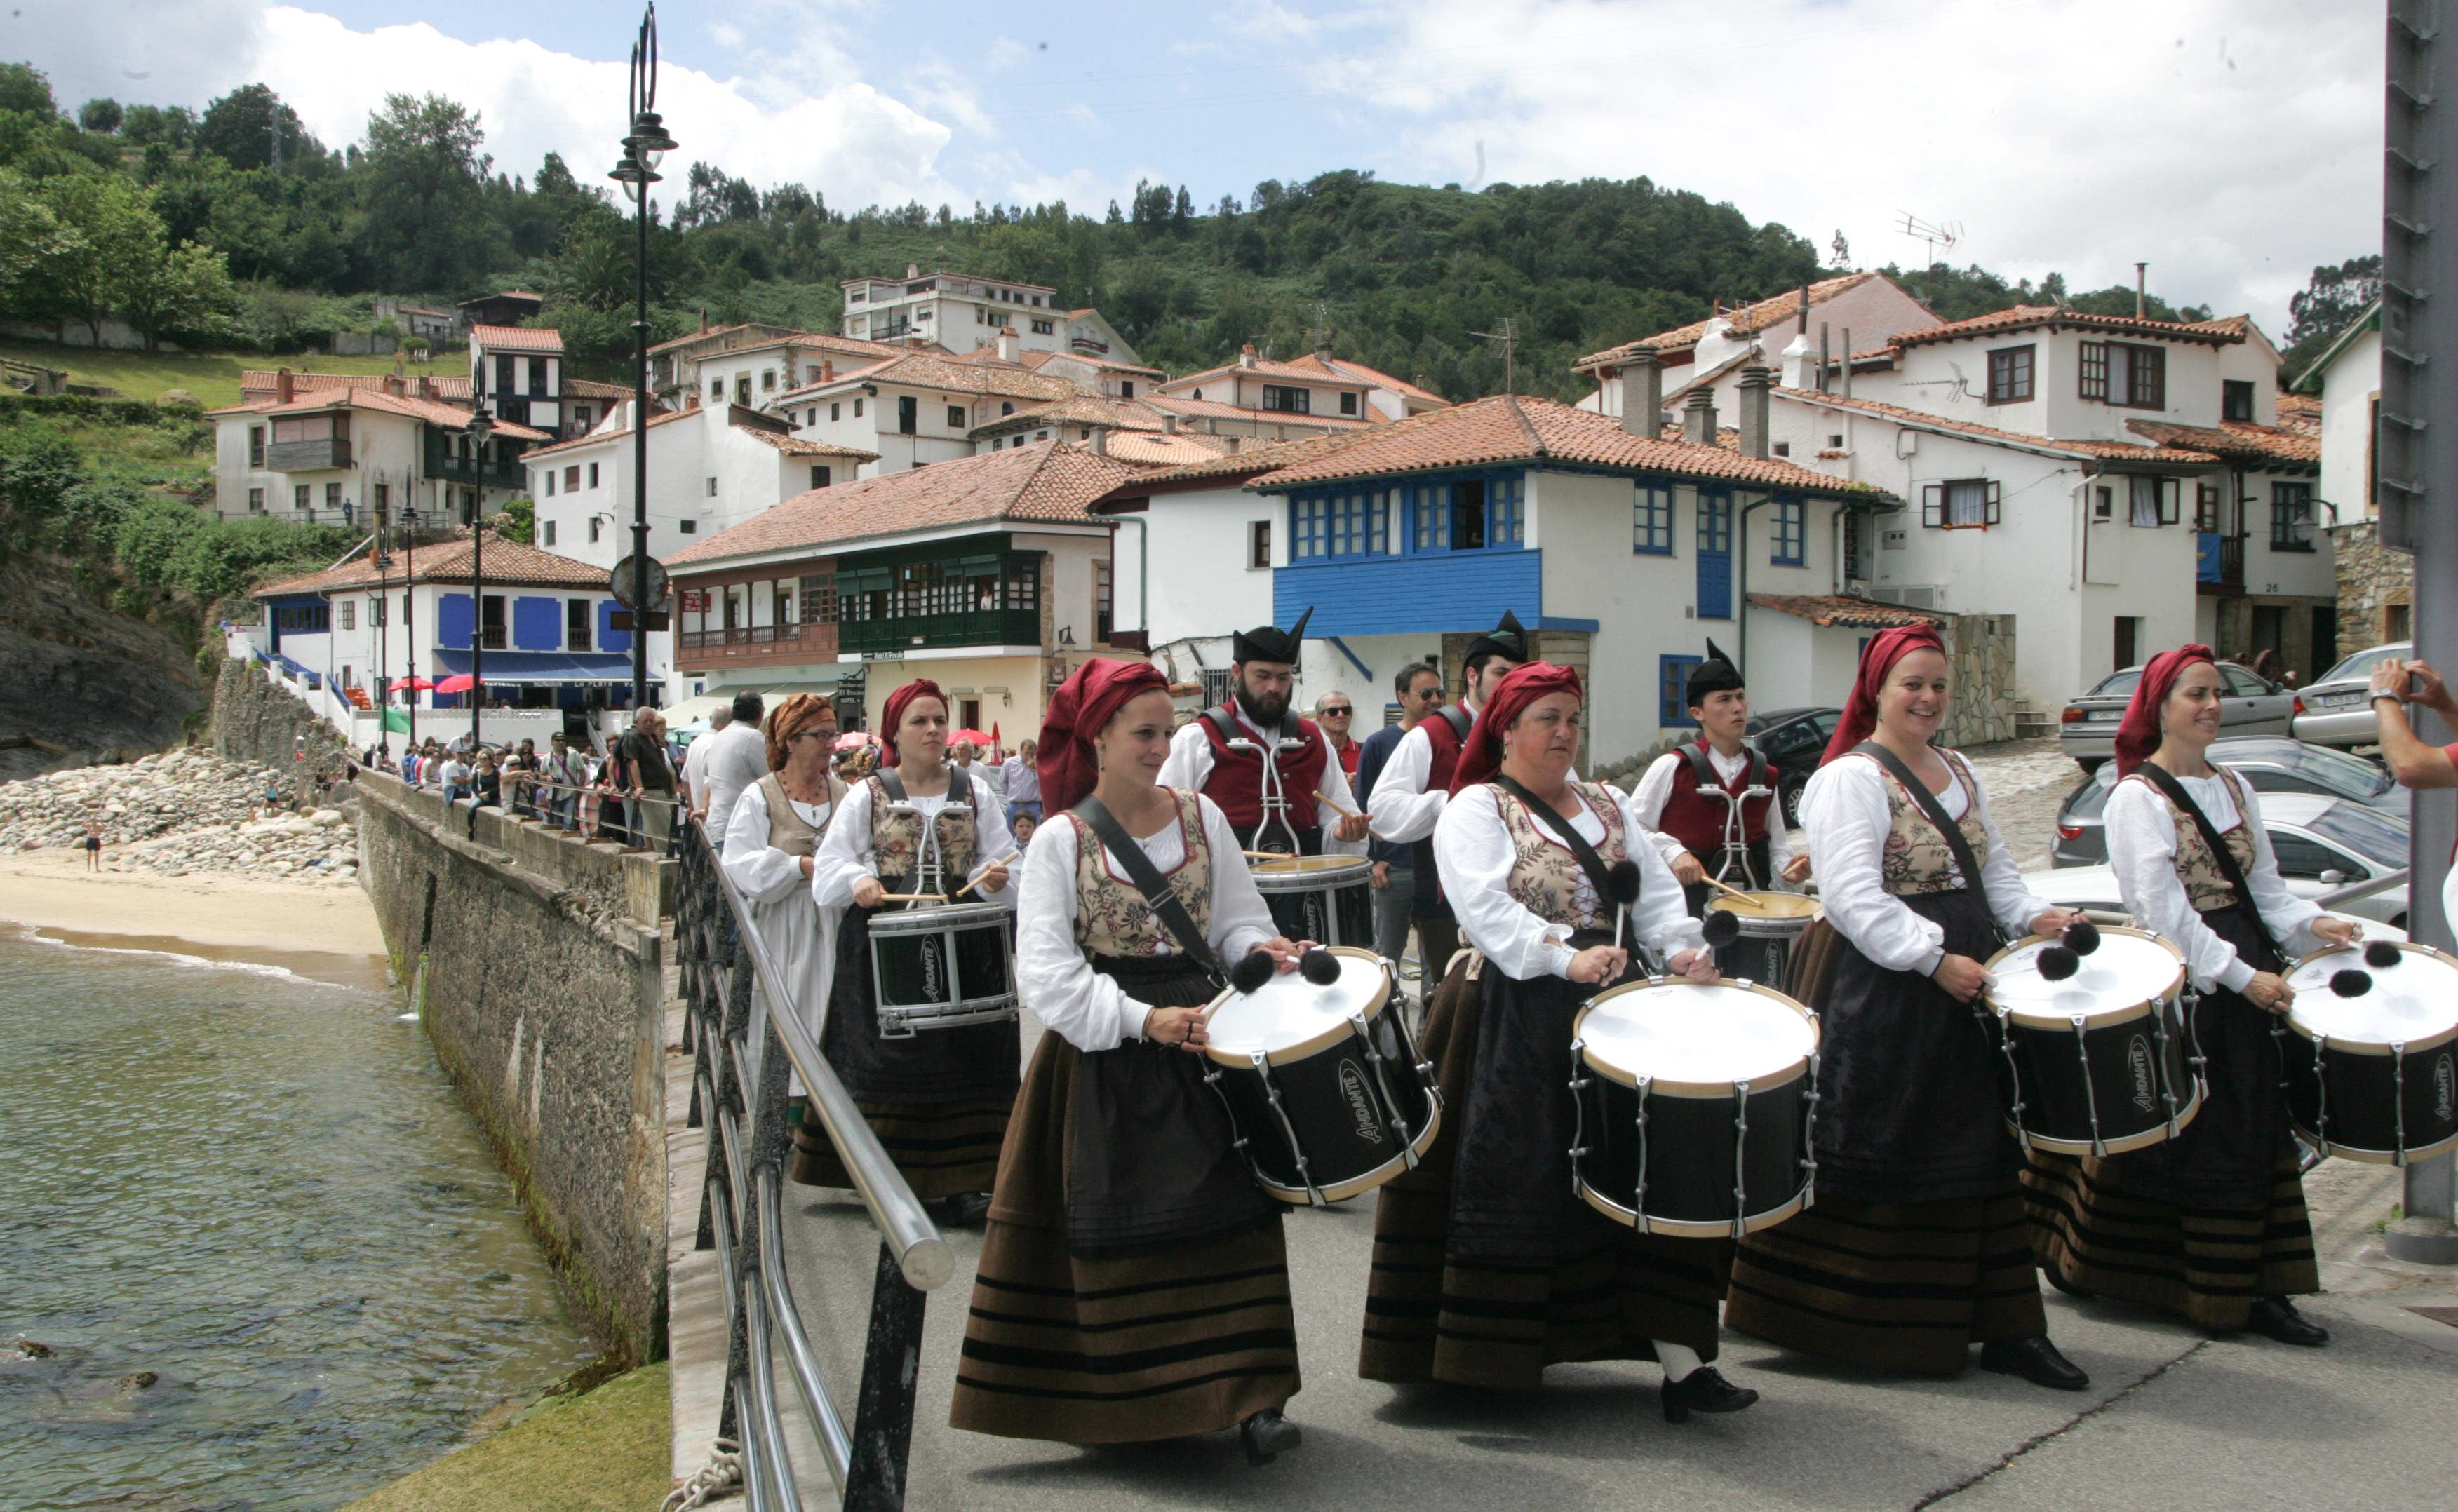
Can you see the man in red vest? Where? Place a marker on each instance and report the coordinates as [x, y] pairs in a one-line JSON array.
[[1221, 755], [1697, 831], [1415, 783]]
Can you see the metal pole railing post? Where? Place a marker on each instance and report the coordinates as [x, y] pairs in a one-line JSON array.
[[891, 1366]]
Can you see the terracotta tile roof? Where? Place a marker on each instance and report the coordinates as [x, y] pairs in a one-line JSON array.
[[1051, 482], [688, 338], [264, 380], [508, 562], [591, 390], [1152, 449], [2238, 440], [1230, 467], [1747, 321], [1509, 428], [1383, 380], [1852, 614], [661, 418], [942, 273], [434, 411], [2027, 316], [2104, 450], [1081, 409], [1305, 371], [930, 370], [1187, 408], [1035, 358], [2308, 405], [802, 446], [517, 337]]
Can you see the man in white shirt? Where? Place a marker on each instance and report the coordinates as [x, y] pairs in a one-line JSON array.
[[696, 764], [1023, 785], [1693, 799], [1206, 757], [737, 757]]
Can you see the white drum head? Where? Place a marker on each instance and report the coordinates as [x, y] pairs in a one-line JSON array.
[[2415, 999], [2125, 972], [1291, 1010], [1688, 1031]]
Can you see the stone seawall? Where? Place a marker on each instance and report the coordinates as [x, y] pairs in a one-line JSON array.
[[255, 721], [544, 1000]]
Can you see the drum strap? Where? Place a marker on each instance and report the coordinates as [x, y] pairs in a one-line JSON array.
[[1935, 810], [1599, 875], [2173, 791], [1163, 899]]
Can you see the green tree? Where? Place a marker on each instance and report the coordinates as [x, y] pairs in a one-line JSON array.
[[2334, 297], [517, 522], [420, 193], [173, 126], [107, 235], [183, 291], [101, 114], [24, 87], [241, 128], [29, 239]]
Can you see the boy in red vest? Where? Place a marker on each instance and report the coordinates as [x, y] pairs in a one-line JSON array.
[[1695, 831], [1206, 756]]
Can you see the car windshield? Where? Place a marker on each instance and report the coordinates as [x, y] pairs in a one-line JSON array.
[[2122, 682], [2377, 837], [2363, 662], [2337, 771]]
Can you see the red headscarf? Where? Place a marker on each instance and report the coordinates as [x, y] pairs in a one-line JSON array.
[[1081, 708], [892, 718], [2139, 734], [1877, 660], [1481, 756]]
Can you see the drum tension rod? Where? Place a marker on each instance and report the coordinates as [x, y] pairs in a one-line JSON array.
[[1579, 1085], [1809, 1135], [2398, 1100], [1262, 1062], [2167, 1088], [1374, 1058], [2320, 1090], [1244, 1145], [2090, 1093], [2014, 1076], [1741, 1154], [1639, 1195]]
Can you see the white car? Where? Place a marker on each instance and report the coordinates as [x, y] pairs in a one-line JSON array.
[[2322, 844]]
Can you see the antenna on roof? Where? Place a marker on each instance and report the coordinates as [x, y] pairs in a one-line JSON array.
[[1507, 338], [1935, 237]]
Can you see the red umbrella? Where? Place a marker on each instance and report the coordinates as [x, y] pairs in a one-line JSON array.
[[413, 684], [972, 737], [856, 739], [458, 682]]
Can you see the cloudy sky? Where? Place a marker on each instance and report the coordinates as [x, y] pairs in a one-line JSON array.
[[2231, 143]]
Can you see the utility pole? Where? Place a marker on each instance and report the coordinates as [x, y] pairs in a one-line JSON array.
[[1507, 338]]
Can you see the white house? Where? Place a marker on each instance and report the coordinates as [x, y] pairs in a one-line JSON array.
[[517, 372], [2376, 586], [914, 410], [336, 453], [1318, 387], [961, 311]]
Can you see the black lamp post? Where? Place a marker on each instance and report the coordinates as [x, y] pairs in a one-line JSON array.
[[383, 622], [410, 616], [481, 425], [643, 150]]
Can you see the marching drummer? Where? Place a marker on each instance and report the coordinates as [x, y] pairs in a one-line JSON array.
[[1693, 797], [1134, 1284], [1915, 1247], [2210, 1223], [1486, 1267], [938, 1100], [1222, 755]]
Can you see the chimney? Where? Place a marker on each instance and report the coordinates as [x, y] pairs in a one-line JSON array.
[[1643, 394], [1101, 439], [426, 386], [1800, 368], [912, 270], [1233, 445], [2141, 275], [703, 320], [1169, 424], [1755, 382], [829, 371], [1007, 343], [394, 386], [1699, 417], [1847, 362], [1800, 328], [1246, 354], [285, 387]]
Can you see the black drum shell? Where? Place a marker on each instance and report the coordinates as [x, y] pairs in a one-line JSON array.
[[1338, 915], [1335, 1102], [1689, 1149], [909, 969], [2131, 1072], [2362, 1106]]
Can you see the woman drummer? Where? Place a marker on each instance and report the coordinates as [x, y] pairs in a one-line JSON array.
[[1915, 1247], [1133, 1284], [1487, 1265], [938, 1100], [2211, 1223], [769, 841]]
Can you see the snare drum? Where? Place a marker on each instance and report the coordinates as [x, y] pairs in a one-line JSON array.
[[1770, 923], [943, 967], [2374, 1078], [1327, 1089], [1695, 1104], [2104, 1060], [1328, 900]]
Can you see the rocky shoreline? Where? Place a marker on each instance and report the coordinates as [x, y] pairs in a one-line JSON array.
[[180, 812]]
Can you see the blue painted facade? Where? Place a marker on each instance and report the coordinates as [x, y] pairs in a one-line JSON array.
[[1714, 554], [537, 623], [455, 616], [1357, 587], [608, 638], [1392, 595]]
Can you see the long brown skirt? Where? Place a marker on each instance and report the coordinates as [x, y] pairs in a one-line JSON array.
[[1431, 1314], [1161, 1344], [942, 1149], [1908, 1286], [2209, 1263]]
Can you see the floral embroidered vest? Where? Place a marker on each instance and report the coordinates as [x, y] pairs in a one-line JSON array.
[[1917, 859], [1546, 877], [896, 833], [1111, 917], [2206, 886], [786, 831]]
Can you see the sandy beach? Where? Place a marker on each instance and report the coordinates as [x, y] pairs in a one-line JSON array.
[[53, 891]]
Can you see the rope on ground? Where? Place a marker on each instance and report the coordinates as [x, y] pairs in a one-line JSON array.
[[723, 1473]]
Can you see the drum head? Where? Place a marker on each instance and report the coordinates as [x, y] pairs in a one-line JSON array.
[[2413, 1004], [1316, 869], [1765, 906], [2130, 968], [1288, 1010], [930, 919], [1691, 1033]]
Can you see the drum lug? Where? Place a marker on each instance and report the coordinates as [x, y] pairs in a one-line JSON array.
[[2398, 1096], [2159, 1037], [1261, 1060], [1639, 1193], [1740, 1150], [1374, 1057], [1809, 1139], [2321, 1087], [2014, 1080]]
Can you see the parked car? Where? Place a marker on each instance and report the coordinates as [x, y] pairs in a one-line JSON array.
[[2250, 704], [2269, 763], [2338, 709], [2323, 843], [1792, 741]]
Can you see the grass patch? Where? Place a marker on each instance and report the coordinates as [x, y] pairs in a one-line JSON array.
[[213, 377], [606, 1449]]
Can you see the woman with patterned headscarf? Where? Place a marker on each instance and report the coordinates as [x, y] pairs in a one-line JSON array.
[[1915, 1247], [937, 1099], [2210, 1223]]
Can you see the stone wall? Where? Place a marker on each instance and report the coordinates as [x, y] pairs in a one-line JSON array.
[[256, 722], [2376, 589], [542, 973], [1980, 649]]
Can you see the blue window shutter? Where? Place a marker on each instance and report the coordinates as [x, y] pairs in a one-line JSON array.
[[608, 638], [454, 617], [1714, 555], [537, 623]]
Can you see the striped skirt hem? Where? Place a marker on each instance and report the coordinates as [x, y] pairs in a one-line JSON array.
[[942, 1149], [2208, 1264], [1905, 1285]]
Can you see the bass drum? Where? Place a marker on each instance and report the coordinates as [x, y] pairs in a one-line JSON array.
[[2103, 1060], [1328, 900], [2374, 1077]]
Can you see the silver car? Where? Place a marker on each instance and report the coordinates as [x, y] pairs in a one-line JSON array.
[[2250, 704], [2323, 843], [2338, 709]]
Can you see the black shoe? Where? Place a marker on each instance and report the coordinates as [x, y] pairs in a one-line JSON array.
[[2276, 1317], [2036, 1360], [2056, 1279], [1703, 1390], [1266, 1434], [967, 1209]]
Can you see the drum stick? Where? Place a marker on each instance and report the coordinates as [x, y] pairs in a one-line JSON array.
[[977, 882], [1729, 888], [913, 897]]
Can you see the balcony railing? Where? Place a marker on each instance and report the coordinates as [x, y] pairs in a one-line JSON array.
[[2219, 562], [757, 642], [445, 463], [308, 456], [995, 626]]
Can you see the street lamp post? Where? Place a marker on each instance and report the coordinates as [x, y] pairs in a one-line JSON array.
[[384, 634], [481, 425], [410, 614], [647, 144]]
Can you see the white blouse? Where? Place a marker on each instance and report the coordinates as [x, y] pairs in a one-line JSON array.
[[1656, 789], [2142, 851], [1845, 811], [1474, 852], [845, 856], [1089, 1010], [765, 874]]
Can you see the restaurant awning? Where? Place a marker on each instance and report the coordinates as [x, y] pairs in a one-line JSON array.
[[541, 666]]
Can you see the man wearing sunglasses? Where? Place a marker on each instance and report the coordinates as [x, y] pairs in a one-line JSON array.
[[1420, 690], [1337, 712]]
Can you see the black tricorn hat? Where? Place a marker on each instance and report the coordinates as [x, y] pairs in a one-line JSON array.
[[1716, 674], [1508, 639], [1267, 643]]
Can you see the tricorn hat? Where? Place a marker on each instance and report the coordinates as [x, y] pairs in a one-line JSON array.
[[1267, 643], [1508, 639], [1716, 674]]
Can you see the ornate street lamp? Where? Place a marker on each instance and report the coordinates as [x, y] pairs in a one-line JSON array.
[[481, 425], [643, 150]]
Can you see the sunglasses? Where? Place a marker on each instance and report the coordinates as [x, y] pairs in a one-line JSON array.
[[1336, 711], [1429, 695]]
